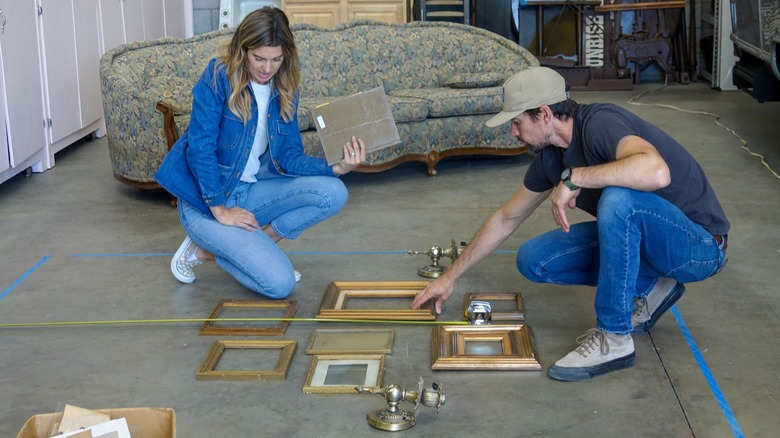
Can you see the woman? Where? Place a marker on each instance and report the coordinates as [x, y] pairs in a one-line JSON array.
[[239, 172]]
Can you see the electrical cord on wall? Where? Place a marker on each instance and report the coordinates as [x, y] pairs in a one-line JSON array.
[[743, 142]]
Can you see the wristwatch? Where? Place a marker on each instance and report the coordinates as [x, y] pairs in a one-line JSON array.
[[566, 178]]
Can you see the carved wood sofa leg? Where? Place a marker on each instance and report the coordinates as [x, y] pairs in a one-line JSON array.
[[432, 160]]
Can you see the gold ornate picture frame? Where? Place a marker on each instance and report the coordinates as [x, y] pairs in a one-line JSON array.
[[484, 347], [207, 370], [288, 306], [516, 313], [351, 341], [335, 303], [342, 373]]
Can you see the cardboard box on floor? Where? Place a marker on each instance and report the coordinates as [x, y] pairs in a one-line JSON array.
[[365, 115], [142, 422]]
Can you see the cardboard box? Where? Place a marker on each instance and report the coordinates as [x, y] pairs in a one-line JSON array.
[[365, 115], [142, 422]]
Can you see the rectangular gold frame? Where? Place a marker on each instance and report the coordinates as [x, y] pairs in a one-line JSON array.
[[319, 361], [338, 292], [347, 341], [291, 307], [448, 349], [207, 372], [517, 314]]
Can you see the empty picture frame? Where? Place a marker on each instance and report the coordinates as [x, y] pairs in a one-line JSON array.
[[515, 310], [237, 328], [484, 347], [343, 373], [336, 302], [351, 341], [207, 370]]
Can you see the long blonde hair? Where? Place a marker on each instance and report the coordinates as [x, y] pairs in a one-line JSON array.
[[264, 27]]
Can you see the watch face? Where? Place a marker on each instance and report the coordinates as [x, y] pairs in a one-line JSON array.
[[566, 174]]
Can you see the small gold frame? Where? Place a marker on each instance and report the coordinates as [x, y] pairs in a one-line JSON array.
[[207, 371], [516, 314], [339, 292], [321, 364], [449, 349], [291, 307], [351, 341]]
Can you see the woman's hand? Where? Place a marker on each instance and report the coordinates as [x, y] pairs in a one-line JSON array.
[[354, 154], [235, 217]]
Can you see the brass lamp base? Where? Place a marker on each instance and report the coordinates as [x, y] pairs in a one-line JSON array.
[[393, 418], [431, 271], [383, 419]]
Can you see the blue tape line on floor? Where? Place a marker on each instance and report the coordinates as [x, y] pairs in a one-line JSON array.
[[23, 277], [705, 370]]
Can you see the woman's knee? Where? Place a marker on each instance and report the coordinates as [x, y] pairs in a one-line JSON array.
[[278, 289], [336, 193]]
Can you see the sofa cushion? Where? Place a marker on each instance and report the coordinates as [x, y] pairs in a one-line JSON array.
[[476, 80], [448, 102]]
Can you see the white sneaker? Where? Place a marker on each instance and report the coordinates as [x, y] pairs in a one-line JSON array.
[[599, 353], [661, 298], [297, 276], [184, 260]]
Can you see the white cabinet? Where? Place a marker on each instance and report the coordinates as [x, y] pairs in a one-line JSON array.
[[69, 43], [50, 51], [5, 159], [22, 89], [126, 21]]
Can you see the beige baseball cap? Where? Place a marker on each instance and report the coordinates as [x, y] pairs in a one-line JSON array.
[[529, 89]]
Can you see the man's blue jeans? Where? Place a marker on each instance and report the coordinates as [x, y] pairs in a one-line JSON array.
[[289, 204], [637, 238]]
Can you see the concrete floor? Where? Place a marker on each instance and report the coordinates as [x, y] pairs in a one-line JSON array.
[[79, 246]]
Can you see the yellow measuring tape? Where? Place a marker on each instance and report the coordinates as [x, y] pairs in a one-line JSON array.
[[184, 320]]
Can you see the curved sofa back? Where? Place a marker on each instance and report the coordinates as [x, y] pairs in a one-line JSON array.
[[359, 55]]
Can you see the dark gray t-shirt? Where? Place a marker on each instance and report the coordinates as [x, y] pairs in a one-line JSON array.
[[597, 130]]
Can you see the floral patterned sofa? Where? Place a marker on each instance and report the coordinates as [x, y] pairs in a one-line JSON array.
[[443, 81]]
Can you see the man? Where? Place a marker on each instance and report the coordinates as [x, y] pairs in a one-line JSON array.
[[658, 222]]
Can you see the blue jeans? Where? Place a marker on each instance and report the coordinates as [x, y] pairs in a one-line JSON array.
[[289, 204], [637, 238]]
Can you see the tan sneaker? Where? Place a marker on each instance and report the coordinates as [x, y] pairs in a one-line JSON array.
[[599, 353], [661, 298], [184, 260]]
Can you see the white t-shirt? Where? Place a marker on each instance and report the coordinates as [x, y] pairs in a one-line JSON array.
[[260, 144]]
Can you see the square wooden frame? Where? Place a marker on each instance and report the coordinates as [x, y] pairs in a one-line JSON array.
[[207, 372], [314, 378], [448, 349], [517, 314], [339, 292], [291, 307], [344, 341]]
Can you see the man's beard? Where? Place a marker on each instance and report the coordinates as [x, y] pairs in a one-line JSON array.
[[534, 149]]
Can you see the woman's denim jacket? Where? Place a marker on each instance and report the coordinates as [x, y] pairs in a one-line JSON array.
[[204, 166]]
